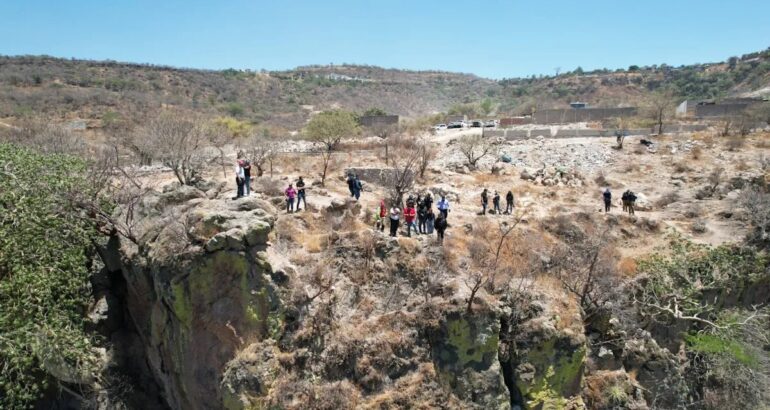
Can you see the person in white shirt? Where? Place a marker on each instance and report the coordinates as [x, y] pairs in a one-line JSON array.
[[240, 177]]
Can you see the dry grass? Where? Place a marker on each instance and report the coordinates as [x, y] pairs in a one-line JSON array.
[[627, 267], [696, 153], [314, 243], [488, 179], [681, 167], [667, 199], [735, 143]]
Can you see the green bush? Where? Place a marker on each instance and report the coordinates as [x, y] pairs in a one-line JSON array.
[[44, 287]]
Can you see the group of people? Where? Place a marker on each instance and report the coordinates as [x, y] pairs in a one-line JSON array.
[[243, 177], [496, 202], [297, 194], [417, 214], [355, 186], [628, 198]]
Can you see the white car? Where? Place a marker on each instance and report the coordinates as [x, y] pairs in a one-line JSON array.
[[439, 127]]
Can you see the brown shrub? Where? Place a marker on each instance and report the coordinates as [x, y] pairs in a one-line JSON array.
[[680, 167], [735, 143], [696, 152]]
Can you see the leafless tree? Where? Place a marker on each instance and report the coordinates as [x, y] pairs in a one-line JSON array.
[[427, 154], [386, 133], [178, 140], [486, 256], [659, 107], [476, 147], [404, 164], [260, 151], [757, 204], [587, 269], [715, 178], [44, 136]]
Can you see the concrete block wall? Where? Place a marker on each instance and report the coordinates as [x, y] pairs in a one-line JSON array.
[[580, 114]]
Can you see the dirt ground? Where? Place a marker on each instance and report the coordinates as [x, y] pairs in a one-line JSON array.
[[666, 176]]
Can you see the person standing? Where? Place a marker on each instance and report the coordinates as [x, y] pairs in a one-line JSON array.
[[246, 177], [443, 206], [352, 184], [409, 216], [509, 202], [394, 220], [239, 178], [428, 201], [383, 213], [430, 219], [484, 201], [301, 193], [357, 186], [291, 193], [496, 203], [631, 201], [441, 226], [422, 214], [607, 199]]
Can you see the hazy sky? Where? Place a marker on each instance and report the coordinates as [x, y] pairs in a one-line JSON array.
[[489, 38]]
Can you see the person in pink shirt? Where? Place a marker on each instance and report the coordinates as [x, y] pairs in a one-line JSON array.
[[291, 193]]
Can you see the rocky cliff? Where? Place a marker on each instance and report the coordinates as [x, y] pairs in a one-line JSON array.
[[197, 288]]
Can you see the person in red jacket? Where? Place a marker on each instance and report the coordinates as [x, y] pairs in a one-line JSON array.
[[409, 215]]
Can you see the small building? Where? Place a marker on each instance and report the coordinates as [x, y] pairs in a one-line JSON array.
[[578, 104]]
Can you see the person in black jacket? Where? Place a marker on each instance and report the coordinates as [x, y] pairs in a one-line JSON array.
[[509, 202], [440, 226], [607, 199], [422, 216], [629, 200], [496, 203], [301, 193], [484, 201]]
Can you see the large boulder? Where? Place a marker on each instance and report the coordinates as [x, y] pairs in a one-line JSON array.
[[545, 353], [198, 287], [465, 355]]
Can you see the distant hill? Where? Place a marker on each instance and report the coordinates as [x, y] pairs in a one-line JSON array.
[[107, 91]]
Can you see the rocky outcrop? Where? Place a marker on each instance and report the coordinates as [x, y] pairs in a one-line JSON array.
[[198, 289], [544, 353], [465, 356]]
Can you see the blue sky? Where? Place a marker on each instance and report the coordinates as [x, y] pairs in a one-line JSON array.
[[490, 38]]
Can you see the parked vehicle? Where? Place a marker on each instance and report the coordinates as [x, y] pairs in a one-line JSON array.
[[457, 124], [490, 124], [439, 127], [477, 124]]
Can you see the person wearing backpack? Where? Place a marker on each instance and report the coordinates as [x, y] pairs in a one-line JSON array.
[[357, 187]]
